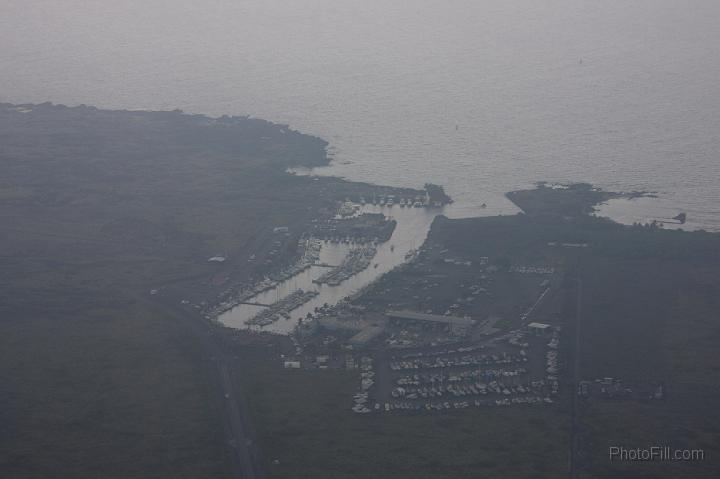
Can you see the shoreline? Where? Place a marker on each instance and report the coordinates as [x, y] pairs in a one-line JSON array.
[[582, 198], [139, 218], [300, 200]]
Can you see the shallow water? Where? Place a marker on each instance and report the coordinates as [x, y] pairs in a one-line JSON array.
[[662, 210], [413, 225]]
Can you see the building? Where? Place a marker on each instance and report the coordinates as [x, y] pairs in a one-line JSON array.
[[454, 324], [364, 337], [539, 329]]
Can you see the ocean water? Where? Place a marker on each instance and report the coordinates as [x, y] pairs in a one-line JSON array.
[[482, 96]]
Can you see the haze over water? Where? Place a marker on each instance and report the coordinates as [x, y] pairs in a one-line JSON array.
[[482, 96]]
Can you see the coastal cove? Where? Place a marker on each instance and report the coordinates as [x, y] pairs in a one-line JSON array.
[[412, 228], [360, 239], [128, 258], [482, 97], [197, 238]]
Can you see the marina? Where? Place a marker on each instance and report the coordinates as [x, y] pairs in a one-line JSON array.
[[282, 308], [413, 225], [356, 260]]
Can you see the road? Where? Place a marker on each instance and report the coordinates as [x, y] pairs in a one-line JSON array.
[[574, 434], [245, 457], [239, 439]]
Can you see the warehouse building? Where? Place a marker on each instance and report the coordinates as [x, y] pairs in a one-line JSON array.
[[539, 329], [454, 324]]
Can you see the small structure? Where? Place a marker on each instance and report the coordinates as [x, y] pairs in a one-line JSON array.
[[365, 336], [350, 362], [455, 324], [292, 364], [281, 229], [539, 329]]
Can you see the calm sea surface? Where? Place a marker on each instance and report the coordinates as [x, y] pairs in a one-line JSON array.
[[483, 96]]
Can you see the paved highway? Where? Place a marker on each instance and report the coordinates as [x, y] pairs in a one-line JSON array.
[[245, 457]]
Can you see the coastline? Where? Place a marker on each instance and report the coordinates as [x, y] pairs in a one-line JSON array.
[[309, 199], [143, 217]]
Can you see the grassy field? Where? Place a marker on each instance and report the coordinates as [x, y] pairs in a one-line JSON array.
[[306, 424], [652, 320], [108, 392], [98, 207]]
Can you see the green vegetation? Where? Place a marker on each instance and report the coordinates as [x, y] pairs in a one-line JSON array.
[[305, 423], [573, 200], [652, 320], [648, 313], [156, 193], [648, 308], [98, 207], [106, 392], [648, 304]]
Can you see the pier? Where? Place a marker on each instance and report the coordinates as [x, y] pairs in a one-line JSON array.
[[254, 304]]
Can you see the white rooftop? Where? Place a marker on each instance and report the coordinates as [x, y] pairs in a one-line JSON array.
[[538, 325]]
